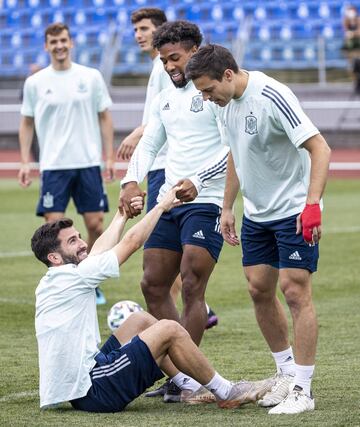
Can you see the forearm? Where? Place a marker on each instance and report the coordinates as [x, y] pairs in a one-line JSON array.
[[231, 184], [26, 134], [111, 236], [320, 160], [107, 134]]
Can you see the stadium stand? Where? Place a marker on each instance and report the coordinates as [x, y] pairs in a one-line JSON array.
[[283, 34]]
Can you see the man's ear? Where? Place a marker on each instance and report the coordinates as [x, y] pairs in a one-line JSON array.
[[55, 258], [228, 75]]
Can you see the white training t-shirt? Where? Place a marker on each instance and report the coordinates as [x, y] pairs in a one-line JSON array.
[[159, 79], [65, 107], [190, 127], [67, 327], [265, 128]]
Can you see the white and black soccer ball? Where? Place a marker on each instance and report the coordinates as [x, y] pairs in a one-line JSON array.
[[120, 311]]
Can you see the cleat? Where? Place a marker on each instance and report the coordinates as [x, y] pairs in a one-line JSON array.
[[201, 395], [172, 394], [245, 392], [100, 297], [296, 402], [212, 319], [160, 391], [278, 392]]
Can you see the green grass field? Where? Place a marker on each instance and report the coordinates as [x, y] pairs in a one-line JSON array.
[[235, 346]]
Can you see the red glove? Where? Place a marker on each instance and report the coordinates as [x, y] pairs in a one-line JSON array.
[[310, 218]]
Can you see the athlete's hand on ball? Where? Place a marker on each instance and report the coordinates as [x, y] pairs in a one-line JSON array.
[[127, 193], [187, 191], [309, 222], [227, 224]]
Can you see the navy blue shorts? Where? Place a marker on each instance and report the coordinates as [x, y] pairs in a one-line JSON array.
[[190, 224], [155, 179], [276, 243], [85, 186], [121, 374]]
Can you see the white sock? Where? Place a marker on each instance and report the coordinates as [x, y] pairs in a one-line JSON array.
[[285, 363], [219, 386], [185, 382], [303, 377]]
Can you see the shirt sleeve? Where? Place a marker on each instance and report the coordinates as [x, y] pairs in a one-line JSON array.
[[289, 115], [95, 269], [103, 100], [28, 104], [212, 172], [153, 139]]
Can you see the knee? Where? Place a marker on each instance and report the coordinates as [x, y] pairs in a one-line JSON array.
[[172, 329], [144, 319], [152, 288], [95, 226], [260, 294], [295, 295]]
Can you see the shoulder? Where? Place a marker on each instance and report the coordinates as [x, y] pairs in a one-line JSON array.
[[86, 71], [38, 77]]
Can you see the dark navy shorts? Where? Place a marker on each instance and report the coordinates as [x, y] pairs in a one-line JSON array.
[[120, 375], [276, 243], [155, 179], [85, 186], [190, 224]]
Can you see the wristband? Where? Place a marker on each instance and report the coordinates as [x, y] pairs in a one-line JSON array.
[[310, 218]]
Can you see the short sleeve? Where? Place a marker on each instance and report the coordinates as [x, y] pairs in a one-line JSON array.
[[28, 104], [95, 269], [102, 94]]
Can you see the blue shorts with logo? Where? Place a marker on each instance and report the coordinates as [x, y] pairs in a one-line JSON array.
[[85, 186], [189, 224], [155, 179], [121, 374], [276, 243]]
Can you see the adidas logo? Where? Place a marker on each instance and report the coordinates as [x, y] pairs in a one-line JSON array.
[[48, 92], [199, 235], [295, 256], [166, 106]]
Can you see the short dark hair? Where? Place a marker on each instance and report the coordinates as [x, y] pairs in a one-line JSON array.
[[55, 29], [185, 32], [156, 16], [45, 239], [210, 60]]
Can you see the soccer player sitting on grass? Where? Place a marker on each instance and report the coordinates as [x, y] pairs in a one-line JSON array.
[[72, 368]]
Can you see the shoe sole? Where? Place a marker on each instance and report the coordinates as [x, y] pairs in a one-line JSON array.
[[199, 401], [251, 397]]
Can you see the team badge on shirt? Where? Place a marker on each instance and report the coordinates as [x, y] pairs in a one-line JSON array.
[[82, 87], [251, 125], [197, 103]]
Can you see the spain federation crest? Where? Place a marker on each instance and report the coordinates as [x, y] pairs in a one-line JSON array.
[[251, 125], [197, 103]]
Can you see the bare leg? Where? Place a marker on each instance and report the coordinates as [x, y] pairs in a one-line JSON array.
[[176, 289], [161, 266], [168, 337], [270, 313], [196, 267], [296, 285], [53, 216], [94, 225]]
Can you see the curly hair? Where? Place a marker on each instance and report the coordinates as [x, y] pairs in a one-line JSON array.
[[184, 32]]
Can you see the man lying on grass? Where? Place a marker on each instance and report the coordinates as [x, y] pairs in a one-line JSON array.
[[72, 368]]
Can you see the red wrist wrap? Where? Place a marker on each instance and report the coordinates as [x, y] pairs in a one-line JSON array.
[[310, 218]]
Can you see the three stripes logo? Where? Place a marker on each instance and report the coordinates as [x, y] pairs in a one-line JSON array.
[[111, 369], [199, 235], [295, 256], [166, 106], [282, 105]]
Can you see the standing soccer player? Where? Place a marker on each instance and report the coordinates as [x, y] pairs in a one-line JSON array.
[[145, 22], [270, 138], [67, 104], [188, 239]]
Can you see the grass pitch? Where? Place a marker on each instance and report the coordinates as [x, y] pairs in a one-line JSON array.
[[235, 346]]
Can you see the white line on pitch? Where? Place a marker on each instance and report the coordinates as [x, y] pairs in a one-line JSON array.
[[15, 254], [17, 301], [17, 396]]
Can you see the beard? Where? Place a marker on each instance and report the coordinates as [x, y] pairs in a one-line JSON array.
[[181, 83], [70, 259]]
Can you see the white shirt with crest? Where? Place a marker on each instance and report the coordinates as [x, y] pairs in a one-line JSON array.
[[190, 127], [265, 129], [66, 325], [65, 107]]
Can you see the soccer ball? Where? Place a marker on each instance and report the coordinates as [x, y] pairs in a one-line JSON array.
[[120, 311]]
